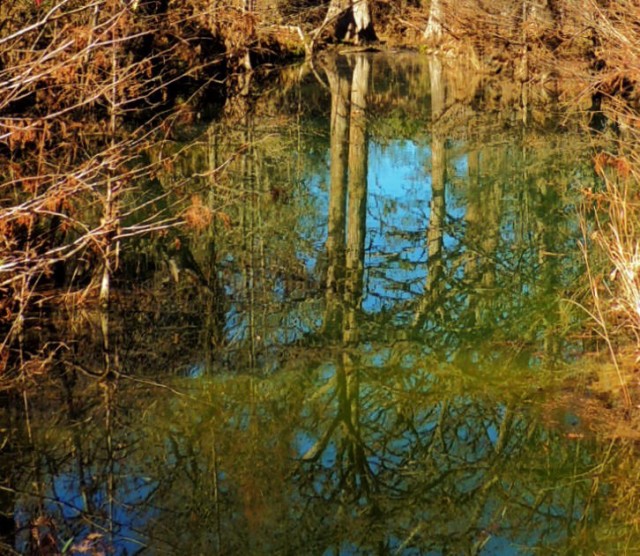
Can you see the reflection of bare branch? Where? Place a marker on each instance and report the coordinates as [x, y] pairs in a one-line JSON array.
[[321, 444]]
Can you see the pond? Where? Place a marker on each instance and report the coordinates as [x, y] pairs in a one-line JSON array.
[[358, 344]]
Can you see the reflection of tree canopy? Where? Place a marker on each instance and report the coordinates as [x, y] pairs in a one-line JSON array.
[[421, 456], [490, 259]]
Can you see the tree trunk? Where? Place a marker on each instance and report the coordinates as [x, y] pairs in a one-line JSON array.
[[433, 32], [363, 21], [350, 20]]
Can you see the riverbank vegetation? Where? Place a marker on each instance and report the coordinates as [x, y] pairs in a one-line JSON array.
[[94, 95]]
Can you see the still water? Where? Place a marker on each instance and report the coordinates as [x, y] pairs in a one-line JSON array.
[[358, 344]]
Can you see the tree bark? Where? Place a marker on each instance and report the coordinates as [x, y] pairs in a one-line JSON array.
[[351, 20], [433, 32]]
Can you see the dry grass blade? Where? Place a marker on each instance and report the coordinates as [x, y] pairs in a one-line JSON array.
[[615, 290]]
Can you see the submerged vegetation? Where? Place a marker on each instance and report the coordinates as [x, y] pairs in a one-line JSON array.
[[310, 275]]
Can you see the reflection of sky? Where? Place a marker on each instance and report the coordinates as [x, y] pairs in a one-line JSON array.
[[74, 498], [397, 221], [397, 214], [398, 197], [399, 193]]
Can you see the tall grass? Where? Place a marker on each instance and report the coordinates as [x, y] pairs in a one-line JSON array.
[[612, 240], [612, 254]]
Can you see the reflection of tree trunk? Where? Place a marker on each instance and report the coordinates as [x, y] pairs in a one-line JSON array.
[[473, 225], [215, 318], [357, 205], [484, 209], [435, 233], [109, 409], [239, 103], [337, 194], [548, 232], [437, 209], [357, 473], [216, 313], [437, 86], [251, 280], [356, 229], [472, 216], [348, 121], [348, 127], [491, 233], [109, 353], [488, 240]]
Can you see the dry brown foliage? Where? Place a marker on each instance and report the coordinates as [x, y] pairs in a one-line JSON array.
[[81, 86]]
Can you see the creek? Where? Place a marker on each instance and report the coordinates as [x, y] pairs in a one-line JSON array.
[[358, 344]]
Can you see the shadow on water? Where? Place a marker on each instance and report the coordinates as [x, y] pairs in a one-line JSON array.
[[354, 346]]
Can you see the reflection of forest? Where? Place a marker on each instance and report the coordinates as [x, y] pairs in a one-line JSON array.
[[366, 302], [416, 457], [280, 250]]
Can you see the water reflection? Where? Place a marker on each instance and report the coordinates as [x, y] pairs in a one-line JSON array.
[[378, 456], [437, 209], [353, 336]]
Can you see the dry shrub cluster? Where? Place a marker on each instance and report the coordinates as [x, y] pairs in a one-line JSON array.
[[612, 241], [612, 251], [588, 45], [617, 62], [85, 89]]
